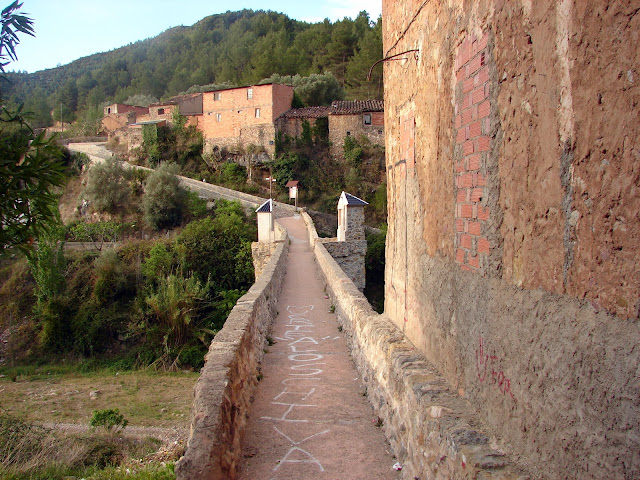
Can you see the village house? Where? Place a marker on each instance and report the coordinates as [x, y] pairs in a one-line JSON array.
[[355, 118], [189, 106], [118, 115], [290, 122], [242, 116]]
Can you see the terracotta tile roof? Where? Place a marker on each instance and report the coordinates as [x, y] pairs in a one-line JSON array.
[[356, 107], [291, 183], [306, 112]]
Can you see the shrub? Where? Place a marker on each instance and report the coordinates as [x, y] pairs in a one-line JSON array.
[[175, 306], [110, 419], [108, 185], [48, 269], [211, 247], [193, 356], [110, 277], [232, 174], [159, 263], [353, 152], [196, 206], [164, 198]]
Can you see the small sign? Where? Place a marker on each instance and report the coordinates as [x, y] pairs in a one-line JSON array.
[[293, 192]]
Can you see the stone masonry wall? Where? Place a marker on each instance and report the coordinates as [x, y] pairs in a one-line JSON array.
[[261, 253], [223, 392], [350, 257], [432, 430], [513, 172], [339, 125]]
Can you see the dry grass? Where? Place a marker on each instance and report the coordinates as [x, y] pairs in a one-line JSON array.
[[147, 399], [44, 422]]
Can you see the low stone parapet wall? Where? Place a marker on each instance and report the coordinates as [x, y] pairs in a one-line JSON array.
[[228, 379], [248, 201], [432, 429]]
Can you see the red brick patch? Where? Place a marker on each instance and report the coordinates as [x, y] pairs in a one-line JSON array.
[[472, 123]]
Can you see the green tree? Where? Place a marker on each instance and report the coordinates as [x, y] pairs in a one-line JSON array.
[[164, 199], [108, 185], [216, 247], [30, 165], [368, 52]]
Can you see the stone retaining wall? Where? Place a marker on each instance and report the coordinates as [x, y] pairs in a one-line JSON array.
[[229, 377], [432, 429]]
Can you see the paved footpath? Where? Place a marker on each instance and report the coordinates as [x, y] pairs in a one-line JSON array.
[[309, 419]]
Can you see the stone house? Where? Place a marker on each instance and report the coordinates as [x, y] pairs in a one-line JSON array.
[[512, 144], [355, 118], [189, 105], [118, 115], [290, 122], [242, 116]]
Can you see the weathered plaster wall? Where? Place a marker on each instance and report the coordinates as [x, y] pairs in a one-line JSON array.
[[222, 395], [513, 178]]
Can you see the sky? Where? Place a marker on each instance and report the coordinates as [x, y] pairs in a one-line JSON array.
[[70, 29]]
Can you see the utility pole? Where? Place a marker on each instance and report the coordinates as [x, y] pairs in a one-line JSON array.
[[271, 180], [61, 121]]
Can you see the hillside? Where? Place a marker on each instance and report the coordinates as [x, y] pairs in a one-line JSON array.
[[234, 48]]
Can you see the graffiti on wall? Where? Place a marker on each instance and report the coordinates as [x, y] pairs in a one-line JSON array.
[[487, 368]]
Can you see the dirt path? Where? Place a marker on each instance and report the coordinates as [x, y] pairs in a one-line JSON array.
[[310, 418]]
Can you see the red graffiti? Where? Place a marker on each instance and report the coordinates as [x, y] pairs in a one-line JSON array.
[[485, 363]]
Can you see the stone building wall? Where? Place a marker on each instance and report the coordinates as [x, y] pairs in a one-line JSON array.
[[513, 176], [293, 126], [244, 115], [339, 125]]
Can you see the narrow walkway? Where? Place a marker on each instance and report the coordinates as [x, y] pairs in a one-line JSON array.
[[310, 419]]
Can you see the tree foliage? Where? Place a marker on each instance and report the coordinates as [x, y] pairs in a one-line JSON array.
[[108, 185], [30, 165], [164, 199]]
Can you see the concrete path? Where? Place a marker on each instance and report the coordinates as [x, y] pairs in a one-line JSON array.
[[310, 418]]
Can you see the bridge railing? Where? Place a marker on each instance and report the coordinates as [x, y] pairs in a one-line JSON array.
[[229, 377]]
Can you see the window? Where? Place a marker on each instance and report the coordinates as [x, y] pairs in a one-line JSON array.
[[257, 113], [161, 111], [216, 97], [249, 92], [367, 118], [348, 134], [218, 117], [108, 110]]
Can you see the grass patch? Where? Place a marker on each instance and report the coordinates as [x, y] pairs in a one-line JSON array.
[[51, 394]]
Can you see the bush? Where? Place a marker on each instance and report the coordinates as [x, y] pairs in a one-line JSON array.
[[212, 247], [110, 419], [175, 306], [108, 186], [353, 152], [232, 174], [163, 200]]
